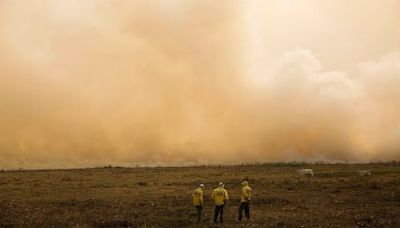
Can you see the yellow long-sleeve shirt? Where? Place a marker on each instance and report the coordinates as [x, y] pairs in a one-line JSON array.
[[197, 197], [220, 196], [246, 194]]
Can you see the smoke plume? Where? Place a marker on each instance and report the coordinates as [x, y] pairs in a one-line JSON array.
[[88, 83]]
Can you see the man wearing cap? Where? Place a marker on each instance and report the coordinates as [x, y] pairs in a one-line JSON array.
[[245, 200], [220, 197], [198, 201]]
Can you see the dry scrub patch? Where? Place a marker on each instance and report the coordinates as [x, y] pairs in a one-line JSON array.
[[160, 197]]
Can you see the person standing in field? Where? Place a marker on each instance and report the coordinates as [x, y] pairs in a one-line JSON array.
[[198, 201], [245, 200], [220, 197]]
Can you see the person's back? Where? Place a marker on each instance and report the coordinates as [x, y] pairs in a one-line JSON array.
[[198, 197], [245, 200], [220, 196], [246, 193], [198, 201]]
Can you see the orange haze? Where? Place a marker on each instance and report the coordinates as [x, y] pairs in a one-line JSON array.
[[95, 82]]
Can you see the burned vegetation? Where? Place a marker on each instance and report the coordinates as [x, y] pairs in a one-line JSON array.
[[337, 196]]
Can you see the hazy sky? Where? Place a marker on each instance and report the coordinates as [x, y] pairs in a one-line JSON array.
[[179, 82]]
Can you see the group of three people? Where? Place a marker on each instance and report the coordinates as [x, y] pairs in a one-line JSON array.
[[220, 197]]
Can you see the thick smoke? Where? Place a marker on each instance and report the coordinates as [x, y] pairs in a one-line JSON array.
[[87, 83]]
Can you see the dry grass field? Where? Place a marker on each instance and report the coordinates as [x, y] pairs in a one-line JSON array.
[[161, 197]]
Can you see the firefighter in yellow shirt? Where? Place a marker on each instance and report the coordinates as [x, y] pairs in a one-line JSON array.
[[245, 200], [220, 197], [198, 201]]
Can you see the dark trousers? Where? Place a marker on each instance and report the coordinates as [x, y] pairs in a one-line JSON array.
[[219, 210], [199, 209], [244, 206]]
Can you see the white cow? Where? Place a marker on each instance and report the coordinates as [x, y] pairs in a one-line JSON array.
[[365, 173], [305, 172]]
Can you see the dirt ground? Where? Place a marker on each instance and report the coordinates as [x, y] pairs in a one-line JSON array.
[[161, 197]]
